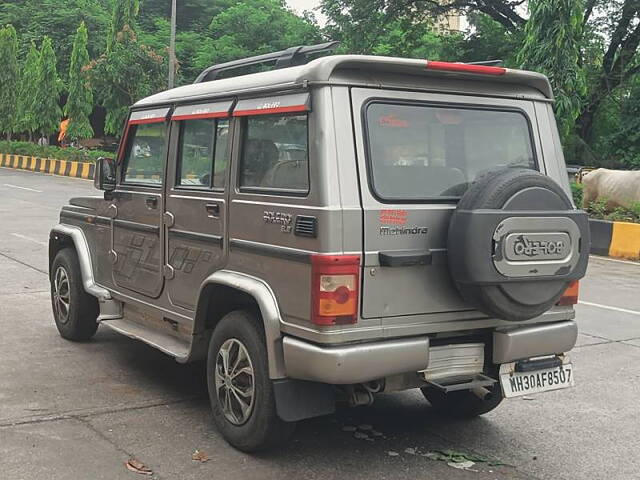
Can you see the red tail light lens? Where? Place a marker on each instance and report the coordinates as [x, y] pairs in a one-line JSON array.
[[570, 295], [334, 289], [466, 68]]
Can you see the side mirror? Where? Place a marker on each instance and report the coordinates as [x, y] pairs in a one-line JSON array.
[[104, 177]]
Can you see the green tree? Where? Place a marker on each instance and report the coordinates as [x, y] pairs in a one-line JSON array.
[[80, 101], [8, 79], [35, 19], [47, 94], [26, 110], [552, 46], [252, 27], [122, 20]]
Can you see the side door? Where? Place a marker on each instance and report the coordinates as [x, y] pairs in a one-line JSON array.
[[196, 208], [136, 209]]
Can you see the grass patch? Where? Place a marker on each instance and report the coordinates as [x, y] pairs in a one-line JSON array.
[[68, 153], [599, 210]]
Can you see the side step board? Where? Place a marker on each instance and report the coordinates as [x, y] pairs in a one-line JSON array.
[[163, 342], [452, 384]]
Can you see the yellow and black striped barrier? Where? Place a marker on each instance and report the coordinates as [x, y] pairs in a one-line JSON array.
[[615, 239], [53, 166]]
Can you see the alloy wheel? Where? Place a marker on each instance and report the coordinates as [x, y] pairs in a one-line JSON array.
[[234, 381], [61, 295]]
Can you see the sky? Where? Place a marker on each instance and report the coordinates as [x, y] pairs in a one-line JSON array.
[[302, 5]]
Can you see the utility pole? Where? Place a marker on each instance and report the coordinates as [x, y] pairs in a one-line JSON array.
[[172, 46]]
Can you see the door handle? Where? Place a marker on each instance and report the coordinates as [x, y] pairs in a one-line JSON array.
[[151, 202], [213, 209], [405, 258]]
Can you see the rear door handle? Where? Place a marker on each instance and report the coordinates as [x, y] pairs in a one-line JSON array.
[[213, 209], [151, 202], [405, 258]]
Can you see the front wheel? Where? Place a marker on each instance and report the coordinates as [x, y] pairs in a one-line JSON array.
[[240, 390], [464, 403], [74, 310]]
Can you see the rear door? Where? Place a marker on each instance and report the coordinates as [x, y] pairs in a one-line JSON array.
[[136, 208], [417, 152], [196, 199]]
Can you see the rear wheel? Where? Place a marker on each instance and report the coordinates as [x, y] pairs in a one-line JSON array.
[[240, 390], [464, 403], [74, 310]]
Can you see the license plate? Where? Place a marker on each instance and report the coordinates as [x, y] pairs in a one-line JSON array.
[[515, 384]]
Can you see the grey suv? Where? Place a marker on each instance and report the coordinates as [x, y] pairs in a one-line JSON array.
[[331, 229]]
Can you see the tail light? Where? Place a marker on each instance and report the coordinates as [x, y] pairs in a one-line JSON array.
[[570, 295], [466, 68], [334, 282]]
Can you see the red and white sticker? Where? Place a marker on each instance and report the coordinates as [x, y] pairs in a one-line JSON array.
[[393, 217]]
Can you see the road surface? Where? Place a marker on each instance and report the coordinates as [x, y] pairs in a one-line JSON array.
[[80, 411]]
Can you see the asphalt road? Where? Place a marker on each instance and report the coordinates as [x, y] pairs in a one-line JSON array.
[[79, 411]]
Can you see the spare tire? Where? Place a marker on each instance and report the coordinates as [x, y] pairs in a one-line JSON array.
[[515, 242]]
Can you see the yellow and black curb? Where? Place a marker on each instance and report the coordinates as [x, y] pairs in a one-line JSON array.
[[615, 239], [53, 166]]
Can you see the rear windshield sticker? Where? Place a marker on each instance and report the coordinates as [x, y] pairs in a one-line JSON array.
[[392, 121]]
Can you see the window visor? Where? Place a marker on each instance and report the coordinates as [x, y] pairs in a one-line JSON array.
[[300, 102], [202, 110], [156, 115]]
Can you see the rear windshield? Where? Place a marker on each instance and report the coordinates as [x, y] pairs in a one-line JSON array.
[[418, 152]]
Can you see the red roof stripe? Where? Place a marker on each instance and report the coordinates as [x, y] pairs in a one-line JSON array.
[[266, 111], [141, 121]]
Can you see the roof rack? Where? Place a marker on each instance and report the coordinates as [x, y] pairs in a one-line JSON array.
[[284, 58], [488, 63]]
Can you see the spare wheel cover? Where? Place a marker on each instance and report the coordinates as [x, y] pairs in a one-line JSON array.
[[515, 242]]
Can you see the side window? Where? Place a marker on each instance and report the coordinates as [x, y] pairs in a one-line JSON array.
[[144, 161], [202, 152], [275, 153]]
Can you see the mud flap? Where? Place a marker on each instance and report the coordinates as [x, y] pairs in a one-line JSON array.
[[299, 399]]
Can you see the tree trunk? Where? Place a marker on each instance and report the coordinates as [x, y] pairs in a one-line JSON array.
[[586, 118]]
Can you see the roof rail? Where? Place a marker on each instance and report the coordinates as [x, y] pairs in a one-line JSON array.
[[489, 63], [284, 58]]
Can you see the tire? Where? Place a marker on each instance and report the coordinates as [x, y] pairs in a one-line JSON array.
[[256, 427], [74, 310], [464, 404], [495, 193]]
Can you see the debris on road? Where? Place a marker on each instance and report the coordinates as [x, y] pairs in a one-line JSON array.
[[391, 453], [462, 465], [454, 457], [136, 466], [363, 432], [199, 456]]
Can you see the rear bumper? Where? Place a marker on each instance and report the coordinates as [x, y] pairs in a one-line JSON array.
[[354, 363], [536, 340], [363, 362]]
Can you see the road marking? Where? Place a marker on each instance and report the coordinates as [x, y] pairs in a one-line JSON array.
[[628, 262], [608, 307], [22, 188], [24, 237], [23, 263]]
